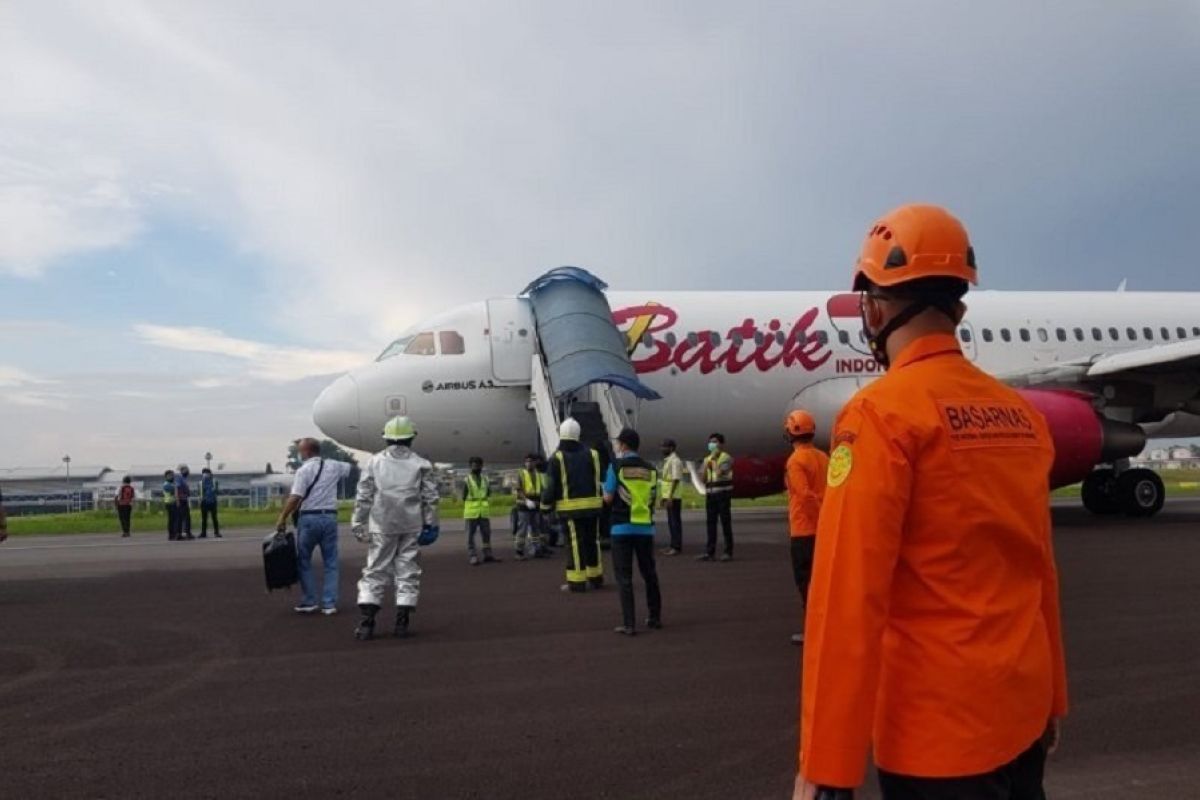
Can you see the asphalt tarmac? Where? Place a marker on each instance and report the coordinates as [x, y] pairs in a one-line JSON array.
[[147, 668]]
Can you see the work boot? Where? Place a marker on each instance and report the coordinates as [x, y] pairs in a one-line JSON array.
[[218, 536], [202, 536], [704, 557], [625, 630], [473, 561], [797, 638], [401, 630], [596, 583], [654, 623], [366, 626], [488, 558], [725, 557]]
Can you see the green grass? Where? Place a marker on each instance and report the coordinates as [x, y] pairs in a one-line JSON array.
[[1179, 483]]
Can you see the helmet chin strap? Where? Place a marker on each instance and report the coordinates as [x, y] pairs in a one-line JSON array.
[[878, 341]]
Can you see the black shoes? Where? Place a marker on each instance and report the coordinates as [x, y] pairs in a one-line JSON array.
[[401, 629], [704, 557], [366, 626], [725, 557], [654, 623]]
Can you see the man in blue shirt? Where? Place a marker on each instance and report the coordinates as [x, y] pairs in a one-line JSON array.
[[630, 488], [208, 503], [183, 503]]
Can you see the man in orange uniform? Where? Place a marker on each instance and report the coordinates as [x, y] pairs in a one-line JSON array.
[[933, 622], [805, 480]]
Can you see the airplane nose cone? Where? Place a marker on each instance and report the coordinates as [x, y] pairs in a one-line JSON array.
[[336, 412]]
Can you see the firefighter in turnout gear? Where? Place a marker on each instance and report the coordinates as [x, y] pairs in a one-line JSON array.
[[527, 535], [573, 491], [631, 488], [395, 512], [933, 633], [477, 494]]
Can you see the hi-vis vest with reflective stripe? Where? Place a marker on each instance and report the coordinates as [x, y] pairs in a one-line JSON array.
[[712, 483], [568, 504], [533, 484], [634, 501], [168, 492], [478, 504]]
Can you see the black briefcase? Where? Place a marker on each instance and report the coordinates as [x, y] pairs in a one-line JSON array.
[[279, 560]]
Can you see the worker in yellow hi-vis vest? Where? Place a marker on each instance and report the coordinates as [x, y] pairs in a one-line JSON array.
[[527, 532], [477, 493], [573, 491]]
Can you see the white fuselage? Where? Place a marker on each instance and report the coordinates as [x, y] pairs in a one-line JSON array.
[[733, 362]]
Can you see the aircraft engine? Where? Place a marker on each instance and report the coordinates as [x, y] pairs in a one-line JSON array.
[[1082, 437]]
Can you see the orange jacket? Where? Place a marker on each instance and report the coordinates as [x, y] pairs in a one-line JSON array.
[[805, 480], [932, 630]]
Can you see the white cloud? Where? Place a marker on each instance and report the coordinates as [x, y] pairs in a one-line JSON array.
[[15, 377], [261, 361]]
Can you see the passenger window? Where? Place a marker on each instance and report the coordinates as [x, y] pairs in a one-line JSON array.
[[1148, 333], [1114, 335], [1096, 334], [964, 334], [693, 339], [1061, 334], [780, 338], [987, 334], [671, 340], [647, 340], [421, 345], [759, 338], [1024, 334], [1042, 335], [1005, 335], [1132, 334], [1195, 331], [843, 337], [1166, 334], [822, 338], [714, 338], [452, 343], [1079, 334], [1181, 333]]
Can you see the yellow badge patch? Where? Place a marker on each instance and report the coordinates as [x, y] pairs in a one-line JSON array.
[[841, 461]]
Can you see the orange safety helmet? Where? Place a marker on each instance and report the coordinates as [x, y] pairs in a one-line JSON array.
[[915, 241], [799, 423]]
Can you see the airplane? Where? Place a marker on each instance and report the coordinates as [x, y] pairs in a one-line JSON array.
[[1107, 369]]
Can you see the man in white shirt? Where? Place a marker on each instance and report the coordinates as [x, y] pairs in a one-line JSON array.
[[314, 494], [670, 492]]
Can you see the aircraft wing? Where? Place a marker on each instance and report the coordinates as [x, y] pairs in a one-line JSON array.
[[1147, 385], [1163, 359]]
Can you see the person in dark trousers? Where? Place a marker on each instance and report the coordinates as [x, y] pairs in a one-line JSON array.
[[477, 493], [718, 498], [630, 489], [670, 476], [124, 503], [573, 491], [169, 505], [183, 502], [209, 490]]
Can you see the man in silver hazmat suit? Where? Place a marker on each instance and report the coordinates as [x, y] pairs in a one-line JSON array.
[[396, 512]]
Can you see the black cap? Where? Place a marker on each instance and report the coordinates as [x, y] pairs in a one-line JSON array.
[[668, 443]]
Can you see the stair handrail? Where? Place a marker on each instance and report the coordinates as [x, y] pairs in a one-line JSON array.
[[545, 406]]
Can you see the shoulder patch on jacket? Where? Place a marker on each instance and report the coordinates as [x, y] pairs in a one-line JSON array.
[[841, 461]]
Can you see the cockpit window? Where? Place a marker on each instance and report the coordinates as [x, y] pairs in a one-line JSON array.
[[395, 348], [421, 345], [452, 343]]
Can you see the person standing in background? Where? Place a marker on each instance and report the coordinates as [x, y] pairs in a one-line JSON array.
[[169, 505], [209, 489], [124, 503], [183, 502], [670, 475]]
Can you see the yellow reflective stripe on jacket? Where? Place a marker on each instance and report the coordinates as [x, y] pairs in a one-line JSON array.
[[582, 503]]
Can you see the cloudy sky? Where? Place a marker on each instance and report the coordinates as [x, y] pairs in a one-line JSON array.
[[207, 208]]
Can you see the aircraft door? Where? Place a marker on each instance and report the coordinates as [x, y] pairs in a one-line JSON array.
[[511, 333]]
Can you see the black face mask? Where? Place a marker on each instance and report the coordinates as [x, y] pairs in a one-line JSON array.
[[666, 451], [476, 470]]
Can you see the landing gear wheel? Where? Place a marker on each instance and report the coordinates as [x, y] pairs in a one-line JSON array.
[[1099, 492], [1140, 492]]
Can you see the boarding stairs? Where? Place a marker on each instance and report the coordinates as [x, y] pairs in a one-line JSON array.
[[581, 367]]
